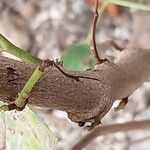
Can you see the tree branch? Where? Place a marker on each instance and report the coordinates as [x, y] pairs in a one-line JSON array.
[[90, 97], [109, 129]]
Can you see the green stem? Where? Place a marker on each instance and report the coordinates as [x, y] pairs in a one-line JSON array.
[[7, 46], [24, 95], [131, 4]]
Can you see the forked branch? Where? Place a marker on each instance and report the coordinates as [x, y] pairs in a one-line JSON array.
[[86, 100]]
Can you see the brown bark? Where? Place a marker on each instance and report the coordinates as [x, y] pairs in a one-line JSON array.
[[88, 98]]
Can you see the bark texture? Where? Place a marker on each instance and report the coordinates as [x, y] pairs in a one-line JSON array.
[[90, 97]]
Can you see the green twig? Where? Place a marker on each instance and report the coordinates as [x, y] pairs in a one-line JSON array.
[[131, 4], [7, 46], [24, 94]]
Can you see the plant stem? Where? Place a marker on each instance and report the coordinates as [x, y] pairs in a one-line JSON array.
[[131, 4], [124, 3], [7, 46], [24, 95], [100, 12]]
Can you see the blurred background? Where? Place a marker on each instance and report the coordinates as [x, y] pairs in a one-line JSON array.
[[48, 28]]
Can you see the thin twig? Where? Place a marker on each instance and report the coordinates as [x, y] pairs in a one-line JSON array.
[[116, 46], [48, 63], [109, 129], [94, 48], [113, 44]]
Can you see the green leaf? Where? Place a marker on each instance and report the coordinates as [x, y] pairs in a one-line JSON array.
[[24, 130], [78, 57]]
